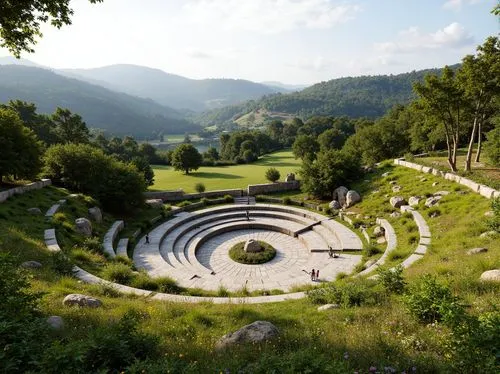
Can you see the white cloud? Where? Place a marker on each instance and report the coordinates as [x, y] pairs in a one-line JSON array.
[[456, 5], [197, 53], [269, 16], [413, 40]]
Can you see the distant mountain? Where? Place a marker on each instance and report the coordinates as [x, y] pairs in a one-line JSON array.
[[365, 96], [117, 113], [283, 87], [172, 90], [10, 60]]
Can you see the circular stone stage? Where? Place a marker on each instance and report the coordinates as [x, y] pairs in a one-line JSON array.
[[192, 248]]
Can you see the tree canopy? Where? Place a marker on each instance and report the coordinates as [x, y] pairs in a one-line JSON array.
[[186, 158]]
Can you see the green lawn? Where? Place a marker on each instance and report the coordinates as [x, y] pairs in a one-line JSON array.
[[225, 177]]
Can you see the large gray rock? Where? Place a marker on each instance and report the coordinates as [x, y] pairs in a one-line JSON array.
[[31, 265], [95, 214], [491, 275], [378, 231], [339, 194], [81, 300], [397, 201], [432, 201], [83, 226], [35, 211], [475, 251], [252, 246], [334, 204], [414, 200], [155, 203], [256, 332], [488, 234], [55, 322], [352, 197], [322, 308]]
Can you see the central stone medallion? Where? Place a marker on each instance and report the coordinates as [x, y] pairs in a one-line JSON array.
[[252, 246]]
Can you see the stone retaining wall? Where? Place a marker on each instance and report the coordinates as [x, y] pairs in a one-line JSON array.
[[179, 195], [259, 189], [483, 190], [4, 195]]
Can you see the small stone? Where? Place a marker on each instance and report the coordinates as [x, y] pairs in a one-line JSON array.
[[334, 204], [95, 214], [35, 211], [423, 180], [31, 265], [155, 203], [62, 202], [392, 182], [252, 246], [322, 308], [435, 184], [475, 251], [395, 214], [386, 174], [396, 188], [55, 322], [491, 276], [414, 200], [489, 214], [83, 226], [488, 234], [431, 201], [434, 215], [381, 240], [81, 300], [352, 197], [256, 332], [397, 201], [378, 231]]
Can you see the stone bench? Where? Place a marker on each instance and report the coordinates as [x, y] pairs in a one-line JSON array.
[[110, 236], [121, 248], [313, 241], [52, 210], [50, 240]]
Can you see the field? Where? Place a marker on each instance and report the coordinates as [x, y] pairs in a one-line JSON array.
[[225, 177]]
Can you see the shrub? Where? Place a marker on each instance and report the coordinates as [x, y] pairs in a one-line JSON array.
[[492, 146], [238, 254], [272, 174], [199, 187], [371, 250], [184, 203], [395, 255], [92, 244], [430, 301], [228, 199], [167, 285], [205, 201], [412, 239], [61, 263], [346, 294], [433, 212], [222, 291], [287, 201], [118, 272], [392, 279], [494, 222], [145, 282]]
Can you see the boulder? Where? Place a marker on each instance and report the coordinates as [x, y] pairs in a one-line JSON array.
[[322, 308], [35, 211], [155, 203], [81, 300], [55, 322], [431, 201], [339, 194], [83, 226], [414, 200], [381, 240], [290, 177], [475, 251], [395, 214], [334, 204], [378, 231], [396, 188], [352, 197], [31, 265], [252, 246], [491, 276], [397, 201], [488, 234], [256, 332], [95, 214]]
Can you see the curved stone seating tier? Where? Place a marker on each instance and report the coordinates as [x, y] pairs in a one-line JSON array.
[[110, 237], [425, 236], [392, 242], [49, 237], [52, 210], [121, 248]]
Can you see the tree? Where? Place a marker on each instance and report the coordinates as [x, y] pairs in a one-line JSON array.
[[492, 146], [19, 147], [272, 174], [331, 139], [20, 21], [443, 99], [305, 146], [70, 127], [211, 154], [186, 157]]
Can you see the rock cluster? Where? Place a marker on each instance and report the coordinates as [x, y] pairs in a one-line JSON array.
[[75, 299], [344, 198], [83, 226], [256, 332], [252, 246]]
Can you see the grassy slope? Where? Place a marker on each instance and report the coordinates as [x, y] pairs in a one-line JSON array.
[[226, 177], [382, 336]]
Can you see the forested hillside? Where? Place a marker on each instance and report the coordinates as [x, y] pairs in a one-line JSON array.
[[117, 113], [367, 96]]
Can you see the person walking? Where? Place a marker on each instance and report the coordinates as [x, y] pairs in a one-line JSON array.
[[147, 238], [248, 215], [313, 275], [317, 276], [330, 251]]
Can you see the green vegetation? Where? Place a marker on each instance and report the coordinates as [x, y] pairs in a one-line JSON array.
[[186, 158], [225, 177], [272, 175], [238, 254]]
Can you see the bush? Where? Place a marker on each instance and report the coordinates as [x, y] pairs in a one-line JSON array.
[[371, 250], [92, 244], [287, 201], [238, 254], [494, 222], [205, 201], [430, 301], [492, 146], [346, 294], [167, 285], [199, 187], [61, 263], [272, 174], [228, 199], [184, 203], [392, 279], [118, 272]]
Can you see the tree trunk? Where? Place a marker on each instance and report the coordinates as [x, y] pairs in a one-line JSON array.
[[479, 141], [468, 159], [451, 157]]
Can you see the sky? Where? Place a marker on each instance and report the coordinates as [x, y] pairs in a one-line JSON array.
[[290, 41]]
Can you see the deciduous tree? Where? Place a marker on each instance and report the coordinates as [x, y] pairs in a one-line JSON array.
[[186, 157]]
